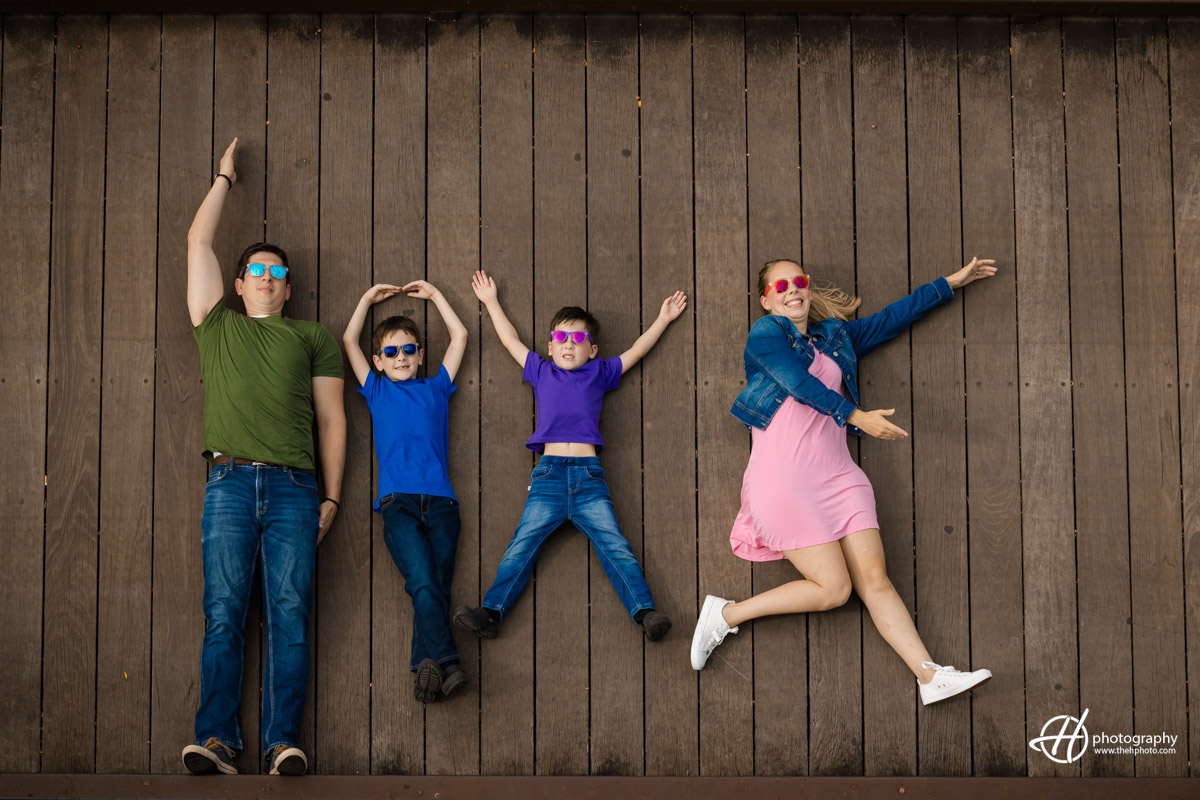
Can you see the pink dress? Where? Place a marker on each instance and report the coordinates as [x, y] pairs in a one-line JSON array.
[[801, 487]]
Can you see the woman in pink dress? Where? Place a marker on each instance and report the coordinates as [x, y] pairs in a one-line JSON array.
[[803, 497]]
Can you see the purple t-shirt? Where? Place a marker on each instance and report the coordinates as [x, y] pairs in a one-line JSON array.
[[569, 400]]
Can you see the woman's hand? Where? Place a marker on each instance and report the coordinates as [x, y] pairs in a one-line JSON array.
[[483, 286], [873, 422], [673, 306], [423, 290], [227, 161], [978, 268]]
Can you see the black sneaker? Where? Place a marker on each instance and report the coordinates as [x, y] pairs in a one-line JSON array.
[[287, 760], [655, 625], [453, 677], [475, 620], [212, 757], [427, 682]]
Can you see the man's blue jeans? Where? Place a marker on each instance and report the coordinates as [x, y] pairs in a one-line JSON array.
[[571, 490], [256, 515], [421, 533]]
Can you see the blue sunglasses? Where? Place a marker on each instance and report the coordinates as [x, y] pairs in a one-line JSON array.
[[278, 271], [392, 350]]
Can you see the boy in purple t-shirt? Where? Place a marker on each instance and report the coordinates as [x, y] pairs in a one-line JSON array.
[[568, 484]]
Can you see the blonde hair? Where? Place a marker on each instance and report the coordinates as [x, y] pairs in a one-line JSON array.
[[827, 301]]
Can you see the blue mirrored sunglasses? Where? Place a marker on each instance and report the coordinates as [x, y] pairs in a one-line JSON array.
[[278, 271], [392, 350]]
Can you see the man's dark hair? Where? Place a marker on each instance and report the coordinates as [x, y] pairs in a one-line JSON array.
[[261, 247], [393, 325], [576, 314]]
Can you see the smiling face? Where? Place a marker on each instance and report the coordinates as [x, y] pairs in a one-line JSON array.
[[400, 367], [792, 303], [264, 295], [569, 355]]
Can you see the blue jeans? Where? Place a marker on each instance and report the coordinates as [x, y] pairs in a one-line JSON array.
[[421, 533], [268, 516], [568, 490]]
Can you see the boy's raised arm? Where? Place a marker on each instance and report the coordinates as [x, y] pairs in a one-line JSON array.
[[358, 361], [485, 290], [204, 289], [672, 307], [458, 332]]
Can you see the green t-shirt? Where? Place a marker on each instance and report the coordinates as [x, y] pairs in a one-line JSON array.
[[257, 376]]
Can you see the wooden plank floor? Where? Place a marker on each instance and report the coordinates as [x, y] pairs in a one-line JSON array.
[[1039, 521]]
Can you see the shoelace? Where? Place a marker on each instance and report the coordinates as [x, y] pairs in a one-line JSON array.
[[941, 672], [213, 744]]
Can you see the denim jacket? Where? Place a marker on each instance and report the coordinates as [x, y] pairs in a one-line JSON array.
[[777, 356]]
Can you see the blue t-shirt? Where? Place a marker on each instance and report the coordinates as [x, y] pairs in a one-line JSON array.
[[569, 400], [412, 433]]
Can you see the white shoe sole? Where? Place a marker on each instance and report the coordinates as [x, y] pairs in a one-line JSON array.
[[982, 676], [710, 606]]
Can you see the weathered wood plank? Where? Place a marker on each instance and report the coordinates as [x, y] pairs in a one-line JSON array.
[[398, 235], [827, 197], [881, 233], [560, 249], [773, 142], [1098, 374], [993, 441], [73, 409], [1151, 392], [127, 397], [184, 175], [613, 278], [668, 397], [719, 164], [27, 122], [1047, 491], [452, 729], [506, 404]]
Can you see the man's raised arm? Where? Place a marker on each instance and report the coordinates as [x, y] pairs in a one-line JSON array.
[[204, 273]]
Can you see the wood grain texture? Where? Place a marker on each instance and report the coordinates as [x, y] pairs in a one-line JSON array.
[[184, 175], [397, 724], [26, 146], [881, 233], [719, 169], [1098, 374], [73, 405], [506, 668], [669, 390], [127, 398], [1047, 491]]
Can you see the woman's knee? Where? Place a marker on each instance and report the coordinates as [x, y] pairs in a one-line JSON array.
[[874, 582], [834, 593]]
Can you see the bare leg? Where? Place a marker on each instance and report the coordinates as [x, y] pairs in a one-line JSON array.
[[863, 551], [826, 585]]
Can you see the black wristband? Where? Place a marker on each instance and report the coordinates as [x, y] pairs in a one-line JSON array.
[[335, 502], [226, 177]]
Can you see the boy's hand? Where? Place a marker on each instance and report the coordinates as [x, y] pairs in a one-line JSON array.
[[673, 306], [227, 161], [380, 291], [485, 287], [423, 290]]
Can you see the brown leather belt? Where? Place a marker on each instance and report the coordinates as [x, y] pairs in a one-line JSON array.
[[249, 462]]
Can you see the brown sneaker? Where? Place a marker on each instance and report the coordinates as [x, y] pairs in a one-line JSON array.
[[287, 760]]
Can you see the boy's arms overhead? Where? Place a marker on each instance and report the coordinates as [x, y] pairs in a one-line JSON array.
[[672, 307], [485, 290], [458, 332], [204, 289], [358, 361]]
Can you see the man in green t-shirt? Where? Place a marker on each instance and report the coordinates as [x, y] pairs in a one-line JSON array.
[[266, 379]]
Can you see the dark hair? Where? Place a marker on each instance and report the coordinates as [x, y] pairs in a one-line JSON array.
[[576, 314], [825, 301], [262, 247], [392, 325]]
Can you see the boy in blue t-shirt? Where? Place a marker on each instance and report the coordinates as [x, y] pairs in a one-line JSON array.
[[568, 484], [420, 512]]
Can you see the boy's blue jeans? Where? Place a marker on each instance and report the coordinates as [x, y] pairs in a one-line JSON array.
[[256, 515], [421, 533], [572, 490]]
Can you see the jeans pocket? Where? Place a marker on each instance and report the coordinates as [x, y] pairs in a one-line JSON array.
[[217, 474], [541, 471], [595, 472], [387, 501], [303, 480]]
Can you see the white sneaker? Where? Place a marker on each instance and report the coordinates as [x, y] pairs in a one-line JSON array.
[[711, 630], [947, 682]]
